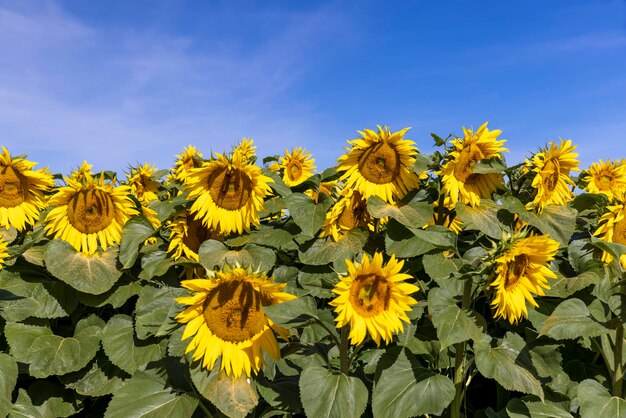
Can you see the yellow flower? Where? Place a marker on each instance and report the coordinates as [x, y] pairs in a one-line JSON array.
[[90, 213], [350, 211], [551, 181], [380, 164], [3, 252], [612, 228], [186, 160], [21, 191], [297, 165], [446, 218], [522, 270], [246, 150], [373, 299], [274, 167], [458, 178], [187, 234], [142, 184], [82, 173], [228, 194], [226, 319], [326, 187], [607, 177]]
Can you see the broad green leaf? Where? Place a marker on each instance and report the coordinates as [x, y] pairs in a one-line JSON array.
[[318, 283], [156, 309], [325, 251], [293, 313], [483, 218], [572, 319], [101, 378], [596, 401], [439, 267], [509, 363], [326, 394], [517, 408], [116, 297], [412, 214], [308, 215], [614, 249], [165, 208], [281, 393], [421, 164], [563, 287], [402, 242], [134, 233], [93, 274], [8, 379], [453, 324], [124, 350], [213, 254], [155, 264], [489, 165], [261, 258], [48, 354], [278, 185], [146, 396], [53, 407], [405, 389], [37, 296]]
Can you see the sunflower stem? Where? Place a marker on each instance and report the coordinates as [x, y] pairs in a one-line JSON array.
[[618, 376], [344, 361], [459, 358]]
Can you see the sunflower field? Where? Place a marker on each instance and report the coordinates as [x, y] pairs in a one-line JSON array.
[[394, 284]]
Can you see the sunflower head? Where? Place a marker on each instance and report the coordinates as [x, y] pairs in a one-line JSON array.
[[228, 193], [608, 178], [142, 182], [350, 211], [3, 252], [329, 188], [22, 191], [185, 161], [274, 167], [246, 150], [550, 168], [187, 234], [380, 163], [373, 299], [82, 173], [89, 214], [521, 272], [612, 228], [297, 166], [459, 181], [226, 319], [445, 216]]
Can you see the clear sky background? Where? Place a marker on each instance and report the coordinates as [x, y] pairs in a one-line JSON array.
[[121, 82]]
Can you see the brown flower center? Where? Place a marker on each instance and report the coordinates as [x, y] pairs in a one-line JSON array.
[[294, 169], [196, 234], [515, 270], [605, 181], [551, 172], [370, 295], [90, 211], [233, 311], [355, 213], [468, 157], [380, 163], [13, 187], [619, 232], [230, 188]]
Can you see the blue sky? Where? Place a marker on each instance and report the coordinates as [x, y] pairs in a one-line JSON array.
[[122, 82]]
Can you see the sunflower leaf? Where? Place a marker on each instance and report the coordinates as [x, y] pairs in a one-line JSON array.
[[51, 407], [402, 242], [102, 378], [324, 251], [518, 408], [403, 388], [413, 214], [134, 233], [570, 320], [93, 274], [563, 286], [483, 218], [8, 380], [596, 401], [308, 215], [453, 324], [325, 394], [293, 313], [155, 311], [155, 264]]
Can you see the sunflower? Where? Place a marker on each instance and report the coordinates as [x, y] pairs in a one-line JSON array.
[[350, 211], [228, 193], [90, 213], [297, 166], [551, 181], [3, 252], [246, 150], [373, 299], [82, 173], [186, 160], [225, 317], [446, 217], [326, 187], [187, 234], [142, 183], [522, 270], [612, 228], [21, 191], [380, 164], [607, 177], [274, 167], [458, 178]]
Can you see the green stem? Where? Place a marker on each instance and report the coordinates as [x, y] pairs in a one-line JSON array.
[[344, 361], [618, 376], [459, 358]]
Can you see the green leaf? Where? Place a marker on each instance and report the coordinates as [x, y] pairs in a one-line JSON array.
[[572, 319], [93, 274], [8, 380], [413, 214], [146, 396], [489, 165], [278, 185], [421, 164], [213, 254], [318, 283], [99, 379], [517, 408], [402, 242], [235, 397], [293, 313], [439, 267], [483, 218], [124, 350], [453, 324], [36, 297], [325, 394], [325, 251], [305, 213], [156, 309], [116, 297], [53, 407], [155, 264], [281, 393], [134, 233], [509, 363], [48, 354], [404, 389], [596, 401], [564, 287], [616, 250]]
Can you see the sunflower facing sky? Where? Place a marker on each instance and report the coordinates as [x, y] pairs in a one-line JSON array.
[[185, 161], [550, 168], [187, 234], [246, 150], [228, 193], [298, 165], [142, 183], [521, 271], [373, 299], [459, 181], [607, 177], [350, 211], [21, 191], [612, 228], [380, 163], [82, 173], [89, 214], [226, 319]]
